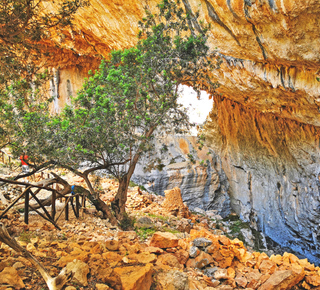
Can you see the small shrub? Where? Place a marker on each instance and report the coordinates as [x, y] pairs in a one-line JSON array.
[[27, 236], [144, 233]]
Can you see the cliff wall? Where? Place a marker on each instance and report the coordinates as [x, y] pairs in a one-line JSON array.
[[265, 121]]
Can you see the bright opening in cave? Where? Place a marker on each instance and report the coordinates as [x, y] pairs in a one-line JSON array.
[[198, 109]]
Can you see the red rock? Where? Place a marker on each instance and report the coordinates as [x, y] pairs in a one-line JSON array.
[[154, 250]]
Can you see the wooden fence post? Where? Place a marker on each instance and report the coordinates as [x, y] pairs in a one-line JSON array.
[[53, 204], [26, 207]]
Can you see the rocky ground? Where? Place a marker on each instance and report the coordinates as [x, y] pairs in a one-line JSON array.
[[167, 247]]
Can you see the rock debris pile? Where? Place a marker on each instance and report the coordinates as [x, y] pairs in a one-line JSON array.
[[169, 248]]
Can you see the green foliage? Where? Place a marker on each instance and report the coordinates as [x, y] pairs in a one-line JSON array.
[[121, 106], [160, 217], [23, 25], [144, 233], [26, 236]]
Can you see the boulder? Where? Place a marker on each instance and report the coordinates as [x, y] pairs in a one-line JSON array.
[[201, 242], [112, 245], [135, 277], [172, 280], [164, 240], [283, 279], [174, 205], [80, 270], [10, 276], [169, 260]]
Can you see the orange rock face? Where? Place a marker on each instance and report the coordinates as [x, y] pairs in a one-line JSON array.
[[173, 203], [265, 124]]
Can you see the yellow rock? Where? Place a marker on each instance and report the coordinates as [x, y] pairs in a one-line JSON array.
[[135, 277]]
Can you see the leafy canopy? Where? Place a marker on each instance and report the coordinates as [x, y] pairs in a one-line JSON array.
[[133, 94]]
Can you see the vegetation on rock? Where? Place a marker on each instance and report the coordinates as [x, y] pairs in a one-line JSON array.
[[113, 119]]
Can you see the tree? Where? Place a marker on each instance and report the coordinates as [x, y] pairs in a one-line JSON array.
[[132, 96], [24, 28]]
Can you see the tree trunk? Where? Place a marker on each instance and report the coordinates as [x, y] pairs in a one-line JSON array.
[[99, 204], [119, 204]]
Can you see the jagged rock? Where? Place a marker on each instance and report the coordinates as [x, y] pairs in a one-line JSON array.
[[10, 276], [201, 242], [284, 279], [220, 274], [182, 256], [267, 267], [80, 270], [201, 261], [173, 203], [210, 271], [163, 240], [172, 280], [168, 261], [184, 225], [135, 277], [194, 252], [154, 250]]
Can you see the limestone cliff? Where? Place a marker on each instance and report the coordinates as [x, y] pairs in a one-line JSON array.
[[265, 124], [202, 182]]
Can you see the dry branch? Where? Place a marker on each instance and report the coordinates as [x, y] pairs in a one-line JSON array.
[[53, 283]]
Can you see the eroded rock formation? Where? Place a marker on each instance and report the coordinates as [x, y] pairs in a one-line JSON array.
[[203, 183], [265, 126]]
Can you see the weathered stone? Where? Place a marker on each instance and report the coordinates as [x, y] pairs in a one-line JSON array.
[[241, 281], [172, 280], [102, 287], [221, 274], [154, 250], [80, 270], [143, 258], [210, 271], [182, 256], [135, 277], [10, 276], [173, 203], [169, 260], [283, 279], [129, 235], [193, 252], [164, 240], [313, 280], [267, 267], [201, 242], [253, 278], [112, 245]]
